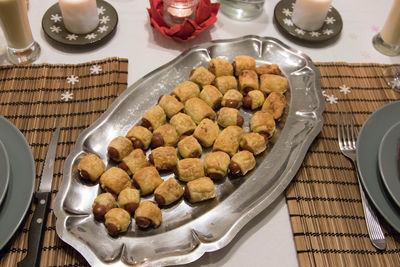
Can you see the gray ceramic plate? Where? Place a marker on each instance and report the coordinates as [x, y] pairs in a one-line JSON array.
[[21, 183], [389, 161], [4, 171], [188, 231], [368, 142]]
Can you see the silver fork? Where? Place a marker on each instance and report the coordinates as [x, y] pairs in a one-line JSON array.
[[347, 144]]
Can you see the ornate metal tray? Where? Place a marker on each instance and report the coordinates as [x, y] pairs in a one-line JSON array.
[[188, 231]]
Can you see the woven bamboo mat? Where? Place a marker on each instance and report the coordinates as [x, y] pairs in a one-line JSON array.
[[33, 97], [324, 201]]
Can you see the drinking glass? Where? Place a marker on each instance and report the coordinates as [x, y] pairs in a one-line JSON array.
[[242, 9], [21, 48]]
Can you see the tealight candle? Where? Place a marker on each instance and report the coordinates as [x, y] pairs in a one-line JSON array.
[[310, 15], [175, 11], [79, 16]]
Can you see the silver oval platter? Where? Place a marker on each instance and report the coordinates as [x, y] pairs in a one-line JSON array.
[[190, 230]]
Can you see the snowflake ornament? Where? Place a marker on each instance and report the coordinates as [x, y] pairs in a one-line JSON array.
[[324, 93], [315, 34], [55, 18], [288, 22], [287, 12], [330, 20], [395, 83], [72, 79], [299, 31], [104, 20], [344, 89], [101, 10], [102, 29], [327, 31], [90, 36], [95, 69], [67, 96], [331, 99], [55, 29], [71, 36]]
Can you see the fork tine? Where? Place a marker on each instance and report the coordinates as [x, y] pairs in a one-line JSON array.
[[353, 137], [339, 128]]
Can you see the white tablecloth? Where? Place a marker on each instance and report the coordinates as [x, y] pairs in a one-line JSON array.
[[267, 239]]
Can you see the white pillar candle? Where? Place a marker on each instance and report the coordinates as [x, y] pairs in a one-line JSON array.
[[391, 30], [79, 16], [310, 15]]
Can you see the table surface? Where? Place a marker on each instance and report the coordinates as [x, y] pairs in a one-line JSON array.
[[267, 239]]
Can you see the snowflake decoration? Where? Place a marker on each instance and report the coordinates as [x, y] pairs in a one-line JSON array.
[[288, 22], [330, 9], [72, 79], [327, 31], [299, 31], [330, 20], [324, 93], [365, 54], [90, 36], [344, 89], [55, 18], [95, 69], [67, 96], [353, 36], [315, 34], [55, 29], [287, 12], [331, 99], [101, 10], [395, 83], [102, 29], [104, 20], [293, 4], [71, 36]]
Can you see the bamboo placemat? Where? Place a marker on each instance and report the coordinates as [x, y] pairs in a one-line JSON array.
[[33, 97], [324, 201]]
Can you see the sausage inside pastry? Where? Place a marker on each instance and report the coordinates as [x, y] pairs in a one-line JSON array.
[[220, 67], [273, 83], [119, 148], [186, 90], [102, 204], [117, 221], [202, 76], [216, 164], [228, 140], [232, 99], [170, 105], [114, 180], [275, 104], [268, 69], [148, 214], [146, 180], [129, 199], [168, 192], [253, 100], [262, 123], [229, 117], [225, 83], [212, 96], [197, 109], [248, 80], [183, 124], [135, 161], [206, 132], [189, 169], [164, 158], [200, 189], [189, 147], [154, 118], [242, 162], [242, 63], [165, 135], [254, 142], [140, 137], [91, 167]]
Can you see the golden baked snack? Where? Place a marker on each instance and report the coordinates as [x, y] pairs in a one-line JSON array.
[[117, 221], [216, 164], [170, 105], [232, 99], [154, 118], [268, 69], [129, 199], [243, 62], [197, 109], [229, 117], [148, 214], [164, 158], [274, 104], [200, 189], [135, 161], [186, 90], [253, 100], [202, 76], [225, 83], [102, 204], [212, 96], [242, 162], [262, 123], [146, 180], [206, 132], [114, 180], [189, 169], [220, 67], [183, 124], [119, 148], [90, 167], [248, 80], [165, 135], [140, 137], [254, 142], [228, 140], [273, 83], [189, 147], [168, 192]]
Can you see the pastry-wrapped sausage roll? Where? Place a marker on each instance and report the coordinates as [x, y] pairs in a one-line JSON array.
[[262, 123], [183, 124], [168, 192], [216, 164], [228, 140], [170, 105], [189, 147], [148, 214], [114, 180], [146, 180], [242, 63], [202, 76], [186, 90], [135, 161], [229, 117], [273, 83], [165, 135], [268, 69], [254, 142], [253, 100], [199, 190], [129, 199], [220, 67], [206, 132], [154, 118], [248, 80], [117, 221], [197, 109], [164, 158], [225, 83], [102, 204], [242, 162], [232, 99], [140, 137], [189, 169], [212, 96], [274, 104], [91, 167], [119, 148]]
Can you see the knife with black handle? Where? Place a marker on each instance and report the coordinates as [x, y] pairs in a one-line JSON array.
[[42, 199]]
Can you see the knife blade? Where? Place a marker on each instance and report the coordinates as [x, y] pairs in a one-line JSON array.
[[42, 199]]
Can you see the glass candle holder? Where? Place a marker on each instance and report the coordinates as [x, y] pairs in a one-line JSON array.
[[21, 48], [242, 9], [175, 11]]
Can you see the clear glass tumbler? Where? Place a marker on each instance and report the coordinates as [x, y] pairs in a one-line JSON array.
[[15, 24], [242, 9]]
